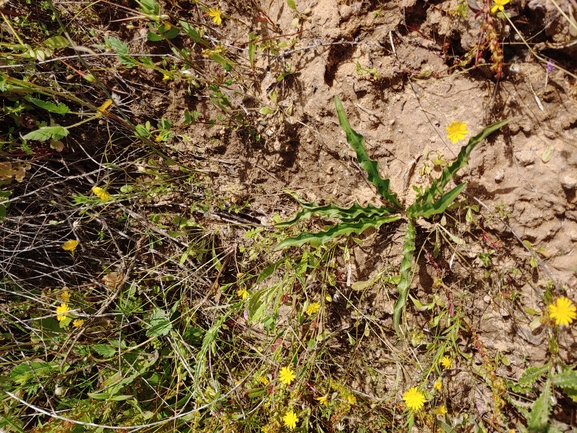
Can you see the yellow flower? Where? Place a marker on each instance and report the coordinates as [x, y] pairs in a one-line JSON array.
[[414, 398], [263, 380], [441, 410], [215, 15], [70, 245], [61, 311], [351, 399], [563, 312], [313, 308], [456, 131], [65, 296], [438, 385], [322, 400], [242, 293], [499, 5], [158, 138], [446, 362], [166, 77], [290, 419], [286, 375], [78, 322], [101, 193]]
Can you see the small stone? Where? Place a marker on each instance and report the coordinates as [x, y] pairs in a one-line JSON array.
[[569, 183], [525, 157], [499, 176]]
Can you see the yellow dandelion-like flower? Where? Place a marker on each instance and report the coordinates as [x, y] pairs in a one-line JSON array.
[[286, 375], [77, 323], [456, 131], [499, 5], [563, 311], [215, 15], [446, 362], [441, 410], [351, 399], [313, 308], [290, 419], [242, 293], [263, 379], [65, 296], [438, 385], [101, 193], [61, 312], [414, 399], [322, 400], [70, 245]]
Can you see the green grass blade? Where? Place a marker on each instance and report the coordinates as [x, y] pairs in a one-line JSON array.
[[350, 214], [357, 142], [406, 273], [439, 184], [427, 210], [342, 229]]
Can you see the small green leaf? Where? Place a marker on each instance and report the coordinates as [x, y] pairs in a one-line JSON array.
[[265, 110], [46, 133], [153, 37], [105, 350], [291, 4], [56, 42], [548, 154], [160, 324], [49, 106], [32, 371]]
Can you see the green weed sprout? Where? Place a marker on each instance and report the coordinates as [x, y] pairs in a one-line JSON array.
[[356, 219]]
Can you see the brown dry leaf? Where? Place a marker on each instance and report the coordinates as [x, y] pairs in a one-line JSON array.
[[112, 280]]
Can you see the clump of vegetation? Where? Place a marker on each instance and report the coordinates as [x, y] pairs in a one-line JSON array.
[[141, 291]]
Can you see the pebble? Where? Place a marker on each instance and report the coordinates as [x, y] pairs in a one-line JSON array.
[[569, 182]]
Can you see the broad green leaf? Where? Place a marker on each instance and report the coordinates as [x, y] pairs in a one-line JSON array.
[[46, 133], [357, 142], [153, 37], [56, 42], [193, 33], [342, 229], [105, 350], [160, 324], [567, 379], [32, 371], [49, 106], [531, 374], [538, 420], [291, 4]]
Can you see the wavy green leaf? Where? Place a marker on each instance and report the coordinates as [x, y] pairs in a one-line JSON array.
[[350, 214], [342, 229], [567, 379], [538, 420], [531, 374], [357, 142]]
